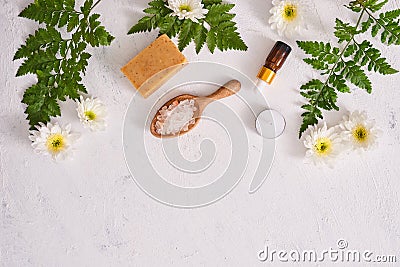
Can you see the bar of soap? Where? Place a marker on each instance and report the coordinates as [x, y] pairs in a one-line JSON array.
[[152, 67]]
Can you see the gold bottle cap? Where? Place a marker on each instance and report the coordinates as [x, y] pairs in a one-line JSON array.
[[267, 75]]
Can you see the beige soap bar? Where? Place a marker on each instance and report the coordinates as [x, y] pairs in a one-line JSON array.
[[144, 70]]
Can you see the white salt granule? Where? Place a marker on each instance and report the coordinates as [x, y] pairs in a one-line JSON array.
[[175, 118]]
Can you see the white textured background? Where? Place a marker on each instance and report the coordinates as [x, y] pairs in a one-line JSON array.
[[89, 212]]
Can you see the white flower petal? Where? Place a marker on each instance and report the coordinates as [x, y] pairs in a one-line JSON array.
[[287, 26], [40, 139], [313, 140], [187, 9], [96, 108], [358, 120]]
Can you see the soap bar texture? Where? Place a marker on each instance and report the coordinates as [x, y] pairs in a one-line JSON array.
[[154, 65]]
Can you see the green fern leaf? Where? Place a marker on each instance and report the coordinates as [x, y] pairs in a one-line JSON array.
[[370, 56], [388, 24], [41, 39], [169, 26], [200, 36], [343, 31], [316, 63], [340, 72], [211, 40], [208, 3], [219, 13], [357, 76], [58, 63], [375, 5], [144, 25], [186, 35], [217, 29], [229, 38]]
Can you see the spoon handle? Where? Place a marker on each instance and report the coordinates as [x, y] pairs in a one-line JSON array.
[[228, 89]]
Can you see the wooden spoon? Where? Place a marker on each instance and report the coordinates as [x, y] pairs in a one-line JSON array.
[[200, 102]]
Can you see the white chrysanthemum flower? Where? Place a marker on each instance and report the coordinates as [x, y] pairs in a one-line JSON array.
[[358, 131], [187, 9], [91, 113], [53, 140], [323, 144], [287, 17]]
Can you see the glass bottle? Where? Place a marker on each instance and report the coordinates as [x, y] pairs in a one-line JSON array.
[[270, 123]]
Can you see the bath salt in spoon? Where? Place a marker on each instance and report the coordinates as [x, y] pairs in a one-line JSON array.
[[182, 113]]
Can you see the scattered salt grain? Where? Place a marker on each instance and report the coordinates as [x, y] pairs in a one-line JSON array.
[[176, 118]]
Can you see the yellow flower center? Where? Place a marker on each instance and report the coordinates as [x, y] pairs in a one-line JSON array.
[[55, 143], [185, 8], [360, 133], [90, 115], [323, 146], [289, 12]]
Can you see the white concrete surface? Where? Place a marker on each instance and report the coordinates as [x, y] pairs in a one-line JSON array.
[[89, 211]]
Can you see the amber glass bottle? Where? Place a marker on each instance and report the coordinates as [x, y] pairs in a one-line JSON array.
[[274, 62]]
